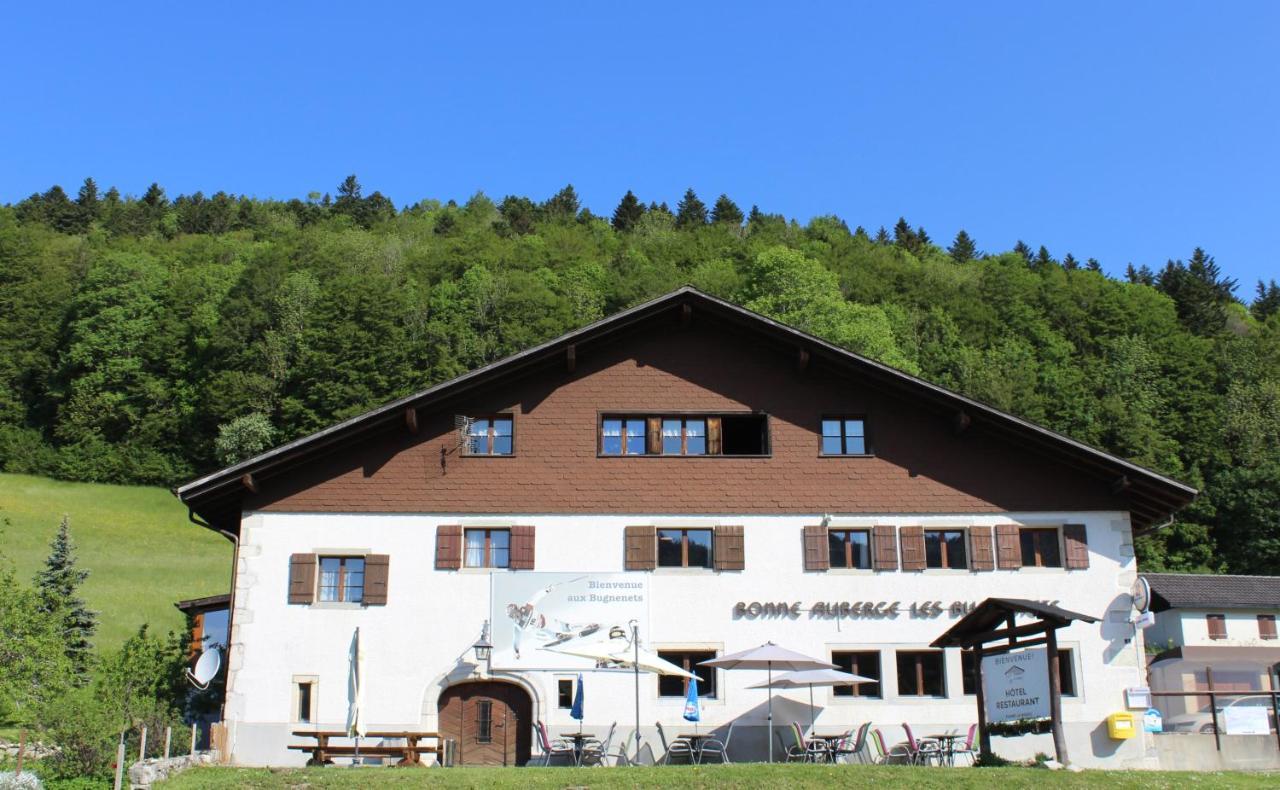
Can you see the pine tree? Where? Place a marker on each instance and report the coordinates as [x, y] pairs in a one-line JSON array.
[[963, 249], [882, 236], [726, 211], [57, 586], [754, 216], [690, 211], [861, 233], [922, 238], [903, 235], [1070, 263], [1022, 249], [563, 205], [87, 200], [1043, 259], [628, 213], [1199, 291], [1268, 302], [1093, 265]]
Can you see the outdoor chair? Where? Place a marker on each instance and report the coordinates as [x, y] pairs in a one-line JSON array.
[[923, 750], [967, 749], [712, 747], [809, 751], [621, 757], [552, 750], [898, 754], [877, 753], [854, 751], [595, 751], [680, 747]]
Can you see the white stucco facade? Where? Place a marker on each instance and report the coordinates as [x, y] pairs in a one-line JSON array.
[[1190, 628], [420, 641]]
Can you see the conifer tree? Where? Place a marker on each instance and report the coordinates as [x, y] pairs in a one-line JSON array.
[[882, 236], [963, 250], [922, 238], [861, 233], [1022, 249], [690, 211], [726, 211], [1268, 302], [87, 199], [1043, 259], [563, 205], [628, 213], [58, 585], [755, 215], [903, 235], [1070, 263], [1093, 265]]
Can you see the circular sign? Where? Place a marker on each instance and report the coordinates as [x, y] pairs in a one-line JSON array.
[[1141, 592]]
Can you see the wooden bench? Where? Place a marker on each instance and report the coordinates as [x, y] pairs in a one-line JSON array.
[[409, 752]]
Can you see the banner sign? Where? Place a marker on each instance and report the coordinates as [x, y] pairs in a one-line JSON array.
[[1242, 720], [1016, 686], [534, 614]]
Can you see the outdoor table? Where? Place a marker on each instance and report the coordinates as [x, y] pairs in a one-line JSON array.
[[947, 745], [323, 752], [833, 741], [579, 743], [695, 740]]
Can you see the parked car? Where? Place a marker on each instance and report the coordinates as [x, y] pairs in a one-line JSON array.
[[1202, 720]]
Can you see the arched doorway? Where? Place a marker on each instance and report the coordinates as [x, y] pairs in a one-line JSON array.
[[491, 722]]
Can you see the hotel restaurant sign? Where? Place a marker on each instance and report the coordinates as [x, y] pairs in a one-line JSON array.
[[873, 610]]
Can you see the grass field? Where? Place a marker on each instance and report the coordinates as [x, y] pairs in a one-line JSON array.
[[742, 775], [142, 552]]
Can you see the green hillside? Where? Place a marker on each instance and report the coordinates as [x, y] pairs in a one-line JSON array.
[[142, 552]]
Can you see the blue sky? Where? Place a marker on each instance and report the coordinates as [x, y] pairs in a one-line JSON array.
[[1123, 131]]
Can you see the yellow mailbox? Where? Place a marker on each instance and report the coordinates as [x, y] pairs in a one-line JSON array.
[[1122, 725]]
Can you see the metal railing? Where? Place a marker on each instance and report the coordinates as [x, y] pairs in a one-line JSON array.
[[1213, 696]]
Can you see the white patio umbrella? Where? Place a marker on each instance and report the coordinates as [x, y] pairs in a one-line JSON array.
[[355, 692], [768, 657], [811, 678], [624, 651]]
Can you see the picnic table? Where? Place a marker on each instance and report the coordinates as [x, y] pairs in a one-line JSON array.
[[409, 752]]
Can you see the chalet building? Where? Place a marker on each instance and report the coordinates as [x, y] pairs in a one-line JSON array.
[[708, 475]]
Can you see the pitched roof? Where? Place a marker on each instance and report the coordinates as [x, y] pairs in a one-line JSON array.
[[1209, 591], [1151, 495]]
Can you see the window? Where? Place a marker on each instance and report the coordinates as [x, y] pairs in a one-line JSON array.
[[491, 436], [1066, 672], [844, 436], [684, 434], [684, 548], [306, 702], [673, 686], [342, 579], [488, 548], [1266, 626], [484, 721], [1217, 625], [920, 674], [564, 693], [1040, 548], [859, 662], [622, 436], [849, 548], [944, 548]]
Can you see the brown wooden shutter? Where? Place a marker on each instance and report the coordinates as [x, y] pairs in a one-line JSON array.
[[376, 569], [817, 553], [642, 548], [729, 554], [982, 556], [448, 547], [1266, 626], [302, 578], [522, 543], [1217, 625], [1076, 542], [884, 547], [912, 539], [715, 445], [653, 440], [1008, 547]]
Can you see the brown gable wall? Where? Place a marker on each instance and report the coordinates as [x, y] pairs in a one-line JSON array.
[[920, 465]]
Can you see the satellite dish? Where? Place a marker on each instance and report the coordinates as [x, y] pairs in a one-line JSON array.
[[206, 668], [1141, 592]]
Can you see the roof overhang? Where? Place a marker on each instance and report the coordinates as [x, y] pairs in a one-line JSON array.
[[1151, 496]]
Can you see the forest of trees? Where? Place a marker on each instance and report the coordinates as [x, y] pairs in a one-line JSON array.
[[145, 340]]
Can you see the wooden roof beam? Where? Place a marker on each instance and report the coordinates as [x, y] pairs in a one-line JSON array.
[[247, 480]]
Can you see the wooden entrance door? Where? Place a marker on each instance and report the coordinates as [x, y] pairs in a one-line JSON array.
[[492, 723]]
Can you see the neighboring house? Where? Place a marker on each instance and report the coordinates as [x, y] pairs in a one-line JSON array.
[[702, 473], [208, 620], [1202, 621]]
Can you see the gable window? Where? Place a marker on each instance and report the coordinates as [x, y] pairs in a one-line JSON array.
[[945, 548], [685, 548], [1217, 625], [491, 436], [858, 662], [342, 579], [684, 434], [1266, 626], [920, 673], [488, 548], [849, 548], [676, 686], [844, 436], [1040, 547]]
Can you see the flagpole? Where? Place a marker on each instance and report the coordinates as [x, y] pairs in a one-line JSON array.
[[769, 668], [635, 665]]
